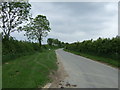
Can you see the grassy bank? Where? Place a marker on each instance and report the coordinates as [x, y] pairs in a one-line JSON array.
[[31, 71], [108, 61]]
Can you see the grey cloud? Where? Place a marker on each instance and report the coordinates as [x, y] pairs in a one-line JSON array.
[[78, 21], [85, 8]]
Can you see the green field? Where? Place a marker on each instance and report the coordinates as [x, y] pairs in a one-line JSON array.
[[30, 71], [108, 61]]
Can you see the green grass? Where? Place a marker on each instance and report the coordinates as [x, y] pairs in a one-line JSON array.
[[0, 64], [31, 71], [0, 77], [108, 61]]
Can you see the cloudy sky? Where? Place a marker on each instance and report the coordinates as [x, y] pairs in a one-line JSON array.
[[77, 21]]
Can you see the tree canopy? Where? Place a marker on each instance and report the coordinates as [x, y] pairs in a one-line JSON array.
[[12, 14], [55, 42], [37, 28]]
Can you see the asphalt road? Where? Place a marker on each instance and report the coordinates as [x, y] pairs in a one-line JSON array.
[[86, 73]]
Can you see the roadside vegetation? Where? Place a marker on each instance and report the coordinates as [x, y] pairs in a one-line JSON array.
[[103, 49], [25, 64], [30, 71], [13, 49], [0, 60]]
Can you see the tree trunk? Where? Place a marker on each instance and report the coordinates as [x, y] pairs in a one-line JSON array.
[[39, 42], [6, 37], [39, 39]]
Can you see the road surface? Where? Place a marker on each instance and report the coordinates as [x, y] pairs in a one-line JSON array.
[[86, 73]]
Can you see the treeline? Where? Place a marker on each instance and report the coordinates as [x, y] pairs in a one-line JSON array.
[[105, 47], [55, 42], [13, 49]]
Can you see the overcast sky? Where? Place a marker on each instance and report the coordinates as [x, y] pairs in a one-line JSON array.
[[77, 21]]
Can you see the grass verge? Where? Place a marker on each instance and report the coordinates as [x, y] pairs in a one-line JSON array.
[[108, 61], [31, 71]]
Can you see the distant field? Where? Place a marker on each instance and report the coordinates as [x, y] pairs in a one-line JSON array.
[[109, 61], [29, 71]]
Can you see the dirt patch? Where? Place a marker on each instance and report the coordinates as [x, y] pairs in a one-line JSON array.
[[6, 63], [66, 85], [58, 76]]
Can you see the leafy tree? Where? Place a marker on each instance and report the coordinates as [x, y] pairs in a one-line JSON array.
[[55, 42], [12, 14], [50, 41], [37, 28]]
